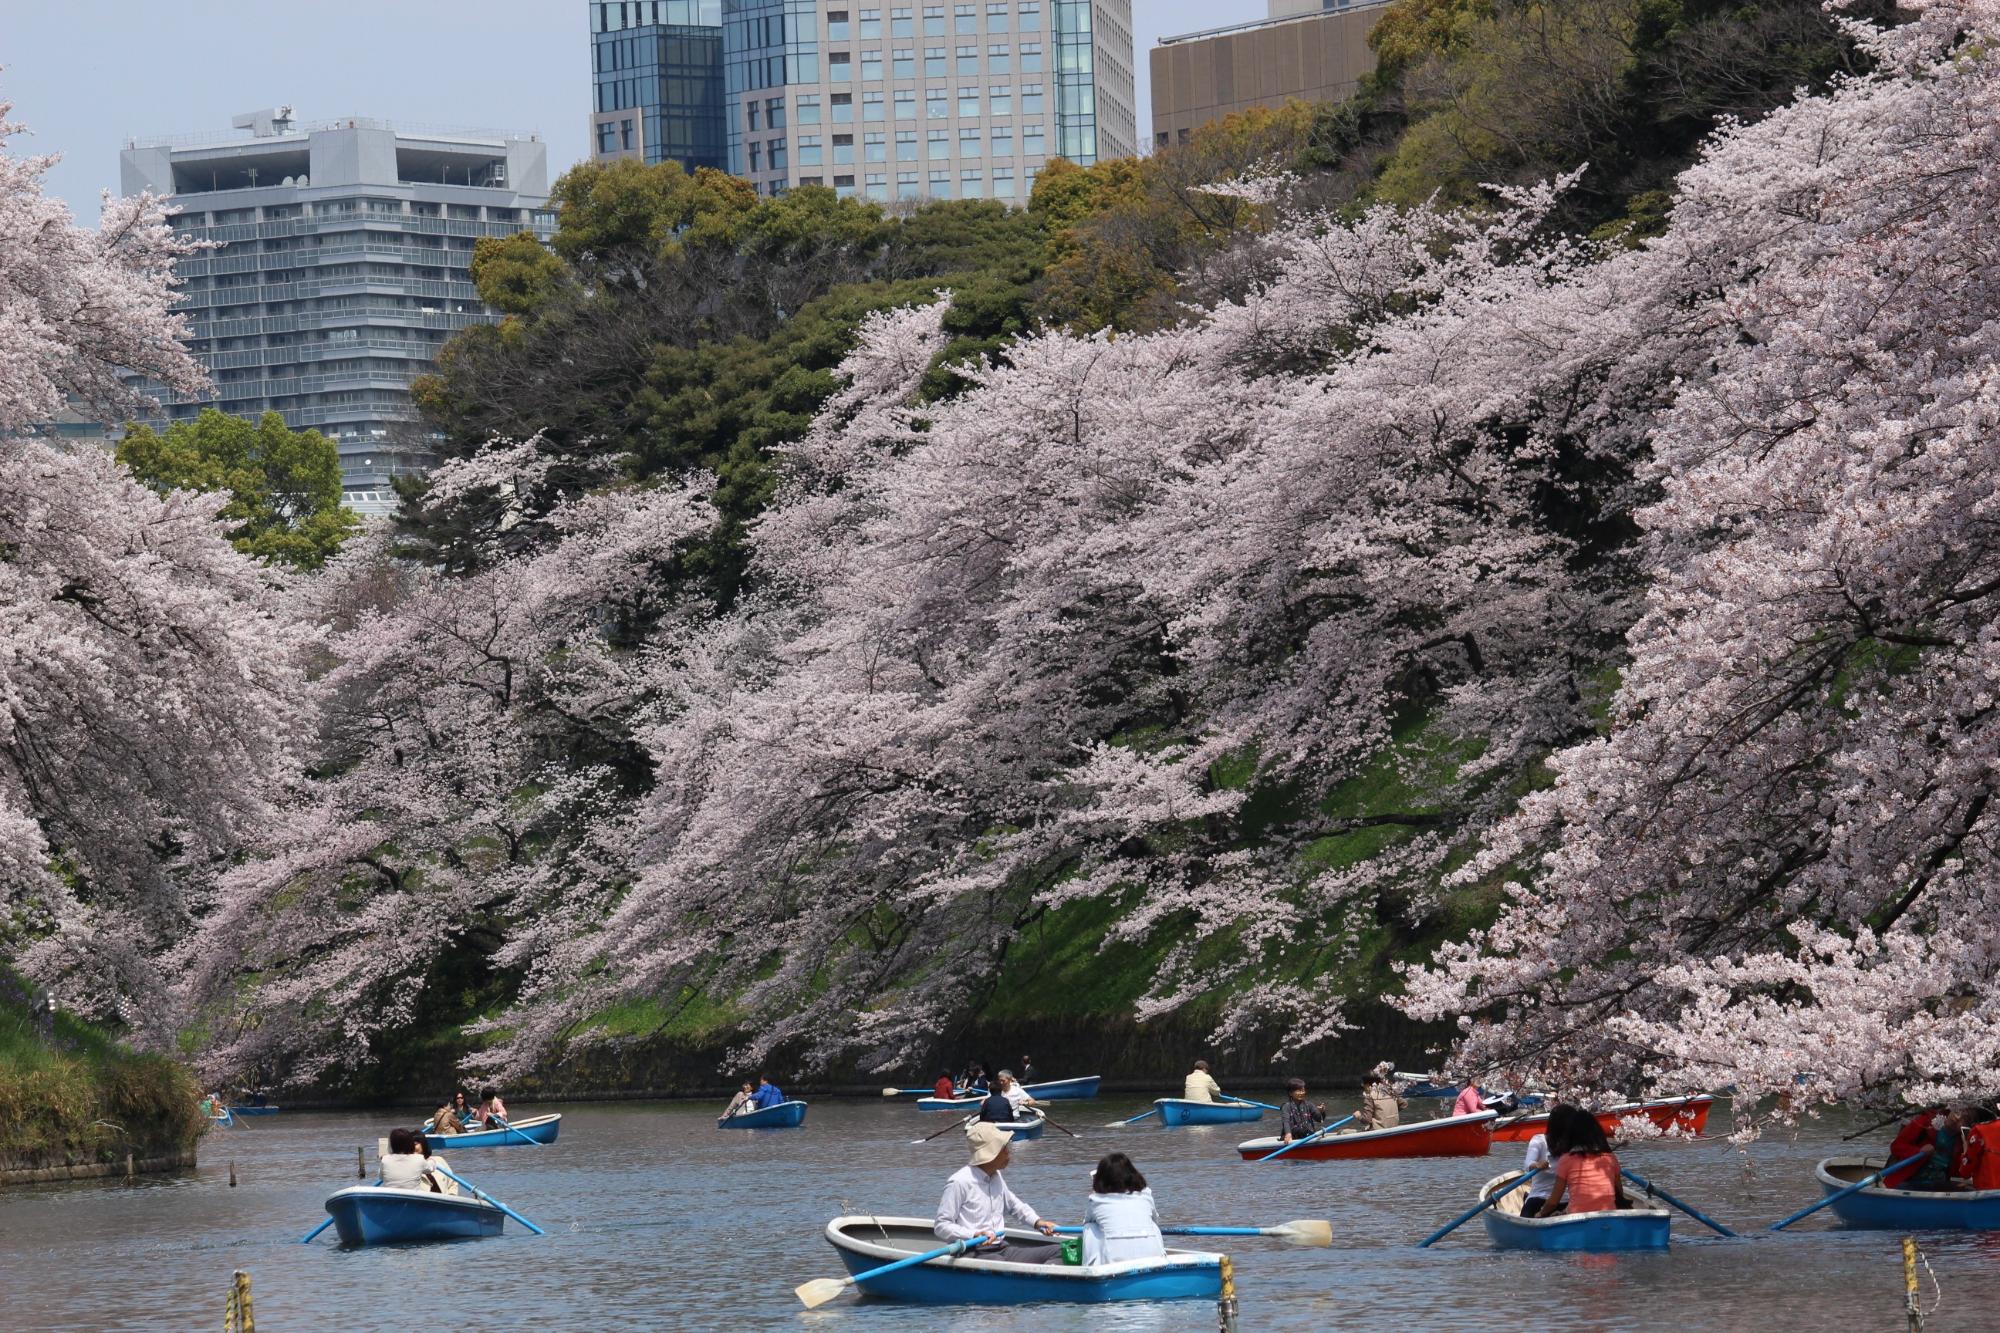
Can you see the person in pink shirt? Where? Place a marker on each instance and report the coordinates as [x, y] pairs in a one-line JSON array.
[[1469, 1101], [1586, 1169]]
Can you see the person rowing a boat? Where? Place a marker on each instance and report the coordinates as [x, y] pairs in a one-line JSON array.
[[1936, 1173], [944, 1089], [767, 1094], [1016, 1094], [1470, 1100], [1300, 1118], [977, 1202], [1918, 1133], [744, 1100], [1201, 1085], [1586, 1169], [404, 1166], [1381, 1107]]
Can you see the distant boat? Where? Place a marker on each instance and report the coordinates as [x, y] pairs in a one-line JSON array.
[[785, 1115], [869, 1242], [255, 1110], [1617, 1229], [1177, 1111], [1065, 1089], [378, 1215], [1683, 1114], [951, 1103], [1879, 1207], [540, 1129], [1452, 1136], [1025, 1129]]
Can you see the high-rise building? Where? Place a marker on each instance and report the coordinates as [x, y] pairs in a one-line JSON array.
[[341, 268], [930, 99], [656, 66], [1312, 50]]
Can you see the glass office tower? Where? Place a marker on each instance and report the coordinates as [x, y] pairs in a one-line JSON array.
[[656, 69]]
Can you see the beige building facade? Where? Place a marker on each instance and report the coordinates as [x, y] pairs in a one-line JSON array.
[[1312, 50]]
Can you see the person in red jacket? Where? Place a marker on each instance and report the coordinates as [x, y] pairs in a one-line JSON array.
[[1917, 1135], [943, 1088], [1982, 1154]]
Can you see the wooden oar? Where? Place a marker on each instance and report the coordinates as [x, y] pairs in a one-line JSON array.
[[820, 1290], [1120, 1124], [1303, 1232], [1696, 1214], [490, 1199], [1838, 1195], [908, 1092], [1300, 1143], [946, 1130], [1052, 1121], [1492, 1198]]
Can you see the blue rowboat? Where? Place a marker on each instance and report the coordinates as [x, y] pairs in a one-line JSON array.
[[541, 1129], [1881, 1208], [1176, 1111], [378, 1215], [785, 1115], [870, 1242], [1437, 1085], [1029, 1128], [255, 1110], [1065, 1089], [959, 1104], [1587, 1233]]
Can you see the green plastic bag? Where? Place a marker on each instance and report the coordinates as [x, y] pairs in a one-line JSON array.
[[1072, 1248]]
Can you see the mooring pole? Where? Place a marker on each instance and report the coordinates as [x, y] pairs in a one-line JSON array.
[[1910, 1305], [360, 1165], [1225, 1303]]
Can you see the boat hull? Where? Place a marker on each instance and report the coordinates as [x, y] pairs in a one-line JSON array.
[[255, 1110], [375, 1215], [1681, 1115], [1023, 1130], [959, 1104], [785, 1115], [1452, 1136], [1065, 1089], [1574, 1233], [869, 1242], [1876, 1208], [540, 1129], [1177, 1111]]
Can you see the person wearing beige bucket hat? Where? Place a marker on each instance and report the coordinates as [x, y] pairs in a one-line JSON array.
[[977, 1203]]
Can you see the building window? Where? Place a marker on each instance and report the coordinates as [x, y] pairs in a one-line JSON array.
[[907, 186], [809, 151], [1032, 143], [872, 107], [778, 162], [965, 19], [968, 141], [941, 185], [751, 110], [844, 186], [874, 147], [1003, 141], [843, 150], [774, 113], [756, 157], [625, 133], [971, 183], [906, 104], [933, 20], [1003, 182], [607, 142], [935, 106], [836, 25], [934, 62], [839, 66], [812, 180], [1000, 100], [808, 108], [1031, 57], [1031, 16], [940, 145], [900, 23], [968, 60], [871, 66], [871, 23], [996, 15], [904, 65], [906, 145], [1031, 99], [843, 108], [998, 59], [878, 185], [968, 101]]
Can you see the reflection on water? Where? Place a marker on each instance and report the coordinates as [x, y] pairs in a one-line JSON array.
[[659, 1220]]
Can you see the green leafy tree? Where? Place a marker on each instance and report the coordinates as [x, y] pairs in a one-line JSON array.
[[283, 485]]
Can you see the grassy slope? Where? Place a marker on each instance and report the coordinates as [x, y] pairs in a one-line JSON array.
[[85, 1097]]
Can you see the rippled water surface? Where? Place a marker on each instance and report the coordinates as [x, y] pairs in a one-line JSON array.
[[657, 1219]]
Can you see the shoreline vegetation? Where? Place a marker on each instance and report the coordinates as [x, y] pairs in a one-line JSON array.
[[76, 1102]]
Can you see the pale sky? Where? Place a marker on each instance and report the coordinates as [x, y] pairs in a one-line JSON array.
[[85, 75]]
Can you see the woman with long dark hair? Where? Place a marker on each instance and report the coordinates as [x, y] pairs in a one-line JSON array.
[[1121, 1222], [1586, 1169]]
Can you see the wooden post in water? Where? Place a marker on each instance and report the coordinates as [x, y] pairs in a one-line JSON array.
[[236, 1313], [360, 1164], [1910, 1305], [130, 1170], [232, 1173], [1225, 1304]]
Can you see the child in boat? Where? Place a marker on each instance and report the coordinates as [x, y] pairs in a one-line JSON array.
[[1121, 1221], [1299, 1117], [1381, 1108], [1586, 1169], [1538, 1159], [976, 1202], [742, 1101]]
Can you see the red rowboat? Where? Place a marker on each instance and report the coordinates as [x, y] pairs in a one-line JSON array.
[[1686, 1115], [1452, 1136]]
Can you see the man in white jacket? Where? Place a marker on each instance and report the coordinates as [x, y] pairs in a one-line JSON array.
[[977, 1202]]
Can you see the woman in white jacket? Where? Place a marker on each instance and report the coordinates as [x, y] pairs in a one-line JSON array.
[[1121, 1222]]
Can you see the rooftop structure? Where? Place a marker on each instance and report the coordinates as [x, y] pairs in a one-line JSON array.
[[342, 267], [1311, 50]]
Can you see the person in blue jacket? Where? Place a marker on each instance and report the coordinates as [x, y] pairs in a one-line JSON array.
[[767, 1093]]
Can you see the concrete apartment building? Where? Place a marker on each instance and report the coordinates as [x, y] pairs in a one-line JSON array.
[[1313, 50], [342, 268], [656, 71], [931, 99]]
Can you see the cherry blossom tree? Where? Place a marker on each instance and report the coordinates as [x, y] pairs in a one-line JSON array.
[[1778, 869], [151, 677]]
